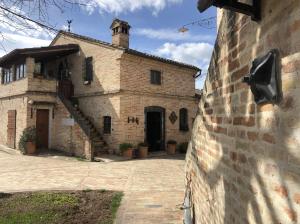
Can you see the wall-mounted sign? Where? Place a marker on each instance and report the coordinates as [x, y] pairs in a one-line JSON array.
[[68, 122], [173, 117]]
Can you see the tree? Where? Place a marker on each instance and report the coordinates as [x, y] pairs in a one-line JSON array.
[[30, 15]]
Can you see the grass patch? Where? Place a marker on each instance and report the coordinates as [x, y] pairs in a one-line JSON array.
[[115, 204], [60, 207]]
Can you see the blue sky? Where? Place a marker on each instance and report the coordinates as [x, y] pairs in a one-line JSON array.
[[155, 25]]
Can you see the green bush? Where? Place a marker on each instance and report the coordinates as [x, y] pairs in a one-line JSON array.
[[183, 147], [125, 146], [171, 142], [28, 135]]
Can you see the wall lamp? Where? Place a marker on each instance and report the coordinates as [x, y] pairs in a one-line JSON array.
[[264, 78], [253, 10]]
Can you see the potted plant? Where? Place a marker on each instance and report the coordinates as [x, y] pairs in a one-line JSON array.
[[126, 150], [143, 150], [171, 147], [183, 147], [27, 141]]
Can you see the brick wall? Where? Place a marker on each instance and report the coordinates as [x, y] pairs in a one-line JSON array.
[[133, 105], [70, 139], [20, 105], [243, 161], [106, 66], [175, 80]]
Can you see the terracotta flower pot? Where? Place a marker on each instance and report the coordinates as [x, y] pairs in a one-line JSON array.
[[128, 153], [143, 152], [30, 148], [171, 149]]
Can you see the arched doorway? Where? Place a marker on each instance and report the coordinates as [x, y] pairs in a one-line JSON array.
[[155, 128]]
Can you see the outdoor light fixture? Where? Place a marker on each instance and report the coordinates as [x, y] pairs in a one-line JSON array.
[[253, 10], [264, 78]]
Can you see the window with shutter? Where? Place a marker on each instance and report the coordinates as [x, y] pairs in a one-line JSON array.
[[89, 70], [107, 125], [155, 77], [183, 117]]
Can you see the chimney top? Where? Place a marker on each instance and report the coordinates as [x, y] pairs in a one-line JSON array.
[[120, 33]]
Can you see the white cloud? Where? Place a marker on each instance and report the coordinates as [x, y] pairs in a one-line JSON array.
[[171, 35], [13, 41], [119, 6], [198, 54], [192, 53]]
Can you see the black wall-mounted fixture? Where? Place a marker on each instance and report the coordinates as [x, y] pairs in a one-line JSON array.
[[253, 10], [264, 78], [133, 120]]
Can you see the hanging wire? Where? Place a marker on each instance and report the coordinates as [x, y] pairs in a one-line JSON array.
[[208, 23]]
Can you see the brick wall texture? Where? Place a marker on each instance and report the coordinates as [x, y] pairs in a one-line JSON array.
[[243, 163]]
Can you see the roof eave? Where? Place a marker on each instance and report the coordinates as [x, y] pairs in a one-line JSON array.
[[137, 53]]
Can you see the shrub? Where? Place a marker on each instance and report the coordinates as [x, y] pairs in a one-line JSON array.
[[125, 146], [171, 142], [28, 135], [183, 147]]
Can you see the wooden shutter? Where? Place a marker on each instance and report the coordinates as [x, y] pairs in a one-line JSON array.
[[183, 119], [155, 77], [89, 69], [11, 129], [107, 125]]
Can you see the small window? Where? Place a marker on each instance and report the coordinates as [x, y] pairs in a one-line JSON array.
[[155, 77], [107, 125], [183, 117]]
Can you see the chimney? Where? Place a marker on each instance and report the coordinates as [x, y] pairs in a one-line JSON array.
[[120, 33]]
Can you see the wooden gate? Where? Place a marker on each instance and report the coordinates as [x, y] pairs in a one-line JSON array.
[[11, 129]]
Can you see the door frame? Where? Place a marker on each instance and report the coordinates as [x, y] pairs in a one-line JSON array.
[[162, 111]]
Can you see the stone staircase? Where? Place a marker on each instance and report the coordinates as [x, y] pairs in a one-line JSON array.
[[99, 146]]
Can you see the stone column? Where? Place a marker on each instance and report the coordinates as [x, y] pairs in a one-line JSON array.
[[30, 63], [1, 76], [14, 74]]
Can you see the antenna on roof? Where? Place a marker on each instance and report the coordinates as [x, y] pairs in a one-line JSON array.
[[69, 25]]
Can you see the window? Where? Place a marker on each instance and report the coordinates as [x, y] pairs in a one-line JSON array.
[[184, 122], [7, 75], [155, 77], [20, 71], [107, 125], [39, 68]]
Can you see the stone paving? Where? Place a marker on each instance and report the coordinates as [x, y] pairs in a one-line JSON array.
[[153, 187]]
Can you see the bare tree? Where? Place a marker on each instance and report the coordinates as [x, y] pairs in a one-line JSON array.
[[32, 15]]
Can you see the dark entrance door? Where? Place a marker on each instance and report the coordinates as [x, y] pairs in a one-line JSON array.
[[11, 129], [65, 85], [154, 128], [42, 129]]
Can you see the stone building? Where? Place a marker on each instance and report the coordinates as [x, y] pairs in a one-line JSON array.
[[243, 163], [85, 96]]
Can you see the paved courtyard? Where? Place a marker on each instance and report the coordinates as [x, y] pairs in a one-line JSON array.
[[153, 188]]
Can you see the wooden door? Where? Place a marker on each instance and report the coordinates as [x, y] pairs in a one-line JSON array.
[[11, 129], [42, 129]]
